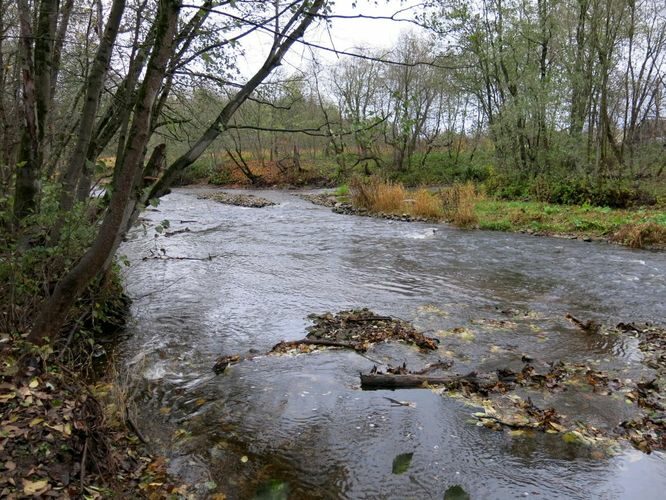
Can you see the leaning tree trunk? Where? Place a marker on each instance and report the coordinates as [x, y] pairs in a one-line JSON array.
[[274, 59], [53, 312]]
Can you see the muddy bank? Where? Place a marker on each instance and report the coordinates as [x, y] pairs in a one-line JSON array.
[[239, 200]]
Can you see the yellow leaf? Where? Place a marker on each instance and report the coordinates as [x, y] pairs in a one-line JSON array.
[[33, 383], [557, 427], [7, 397], [32, 487], [244, 459], [35, 421], [66, 429]]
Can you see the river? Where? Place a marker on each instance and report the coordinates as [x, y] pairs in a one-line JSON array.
[[300, 424]]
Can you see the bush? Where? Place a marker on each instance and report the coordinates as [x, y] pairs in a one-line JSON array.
[[641, 235], [342, 190], [221, 177], [197, 172], [566, 191]]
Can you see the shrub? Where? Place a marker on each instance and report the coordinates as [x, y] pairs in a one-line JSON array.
[[221, 177], [376, 195], [342, 190], [389, 197], [361, 191]]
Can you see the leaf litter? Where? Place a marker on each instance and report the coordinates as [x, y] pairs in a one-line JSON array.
[[58, 438]]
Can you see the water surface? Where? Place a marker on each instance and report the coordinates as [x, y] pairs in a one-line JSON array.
[[302, 419]]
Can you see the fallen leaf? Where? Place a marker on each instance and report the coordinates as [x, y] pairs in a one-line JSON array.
[[456, 492], [66, 429], [33, 383], [33, 487], [35, 421], [402, 462]]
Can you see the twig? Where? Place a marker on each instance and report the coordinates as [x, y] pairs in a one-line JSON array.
[[166, 257], [83, 464], [374, 318], [133, 427]]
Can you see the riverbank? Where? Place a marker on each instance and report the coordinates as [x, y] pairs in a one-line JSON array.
[[643, 227], [65, 436]]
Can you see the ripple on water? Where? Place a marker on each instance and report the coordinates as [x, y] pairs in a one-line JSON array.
[[302, 419]]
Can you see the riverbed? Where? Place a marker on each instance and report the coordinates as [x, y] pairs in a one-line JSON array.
[[246, 278]]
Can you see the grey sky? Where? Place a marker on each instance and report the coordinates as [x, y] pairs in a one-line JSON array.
[[344, 34]]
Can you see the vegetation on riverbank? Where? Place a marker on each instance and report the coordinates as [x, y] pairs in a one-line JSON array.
[[638, 228], [64, 435], [466, 206], [64, 427]]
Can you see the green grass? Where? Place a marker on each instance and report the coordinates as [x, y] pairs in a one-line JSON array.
[[342, 190], [562, 219]]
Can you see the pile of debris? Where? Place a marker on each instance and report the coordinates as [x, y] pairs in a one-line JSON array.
[[363, 327], [355, 329], [239, 200]]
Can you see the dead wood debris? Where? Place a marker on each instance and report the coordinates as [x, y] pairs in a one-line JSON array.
[[356, 329], [503, 408], [362, 326], [589, 326]]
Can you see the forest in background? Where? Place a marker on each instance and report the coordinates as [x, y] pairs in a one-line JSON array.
[[559, 101]]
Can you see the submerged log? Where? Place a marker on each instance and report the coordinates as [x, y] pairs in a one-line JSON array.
[[409, 381]]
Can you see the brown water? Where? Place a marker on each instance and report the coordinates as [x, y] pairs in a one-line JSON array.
[[301, 421]]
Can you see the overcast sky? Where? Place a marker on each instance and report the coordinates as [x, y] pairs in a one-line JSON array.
[[344, 34]]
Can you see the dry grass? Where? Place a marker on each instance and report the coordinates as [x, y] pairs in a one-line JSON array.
[[459, 201], [376, 195], [426, 204], [389, 198], [641, 235]]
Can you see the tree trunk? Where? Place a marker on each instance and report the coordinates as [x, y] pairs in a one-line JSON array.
[[78, 162], [308, 11], [27, 173], [53, 312]]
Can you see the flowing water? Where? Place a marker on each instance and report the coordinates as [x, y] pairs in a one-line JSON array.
[[300, 424]]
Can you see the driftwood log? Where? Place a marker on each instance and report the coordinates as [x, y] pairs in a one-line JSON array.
[[409, 381]]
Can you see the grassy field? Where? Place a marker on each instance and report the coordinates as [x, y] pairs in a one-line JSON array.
[[464, 206], [636, 228]]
